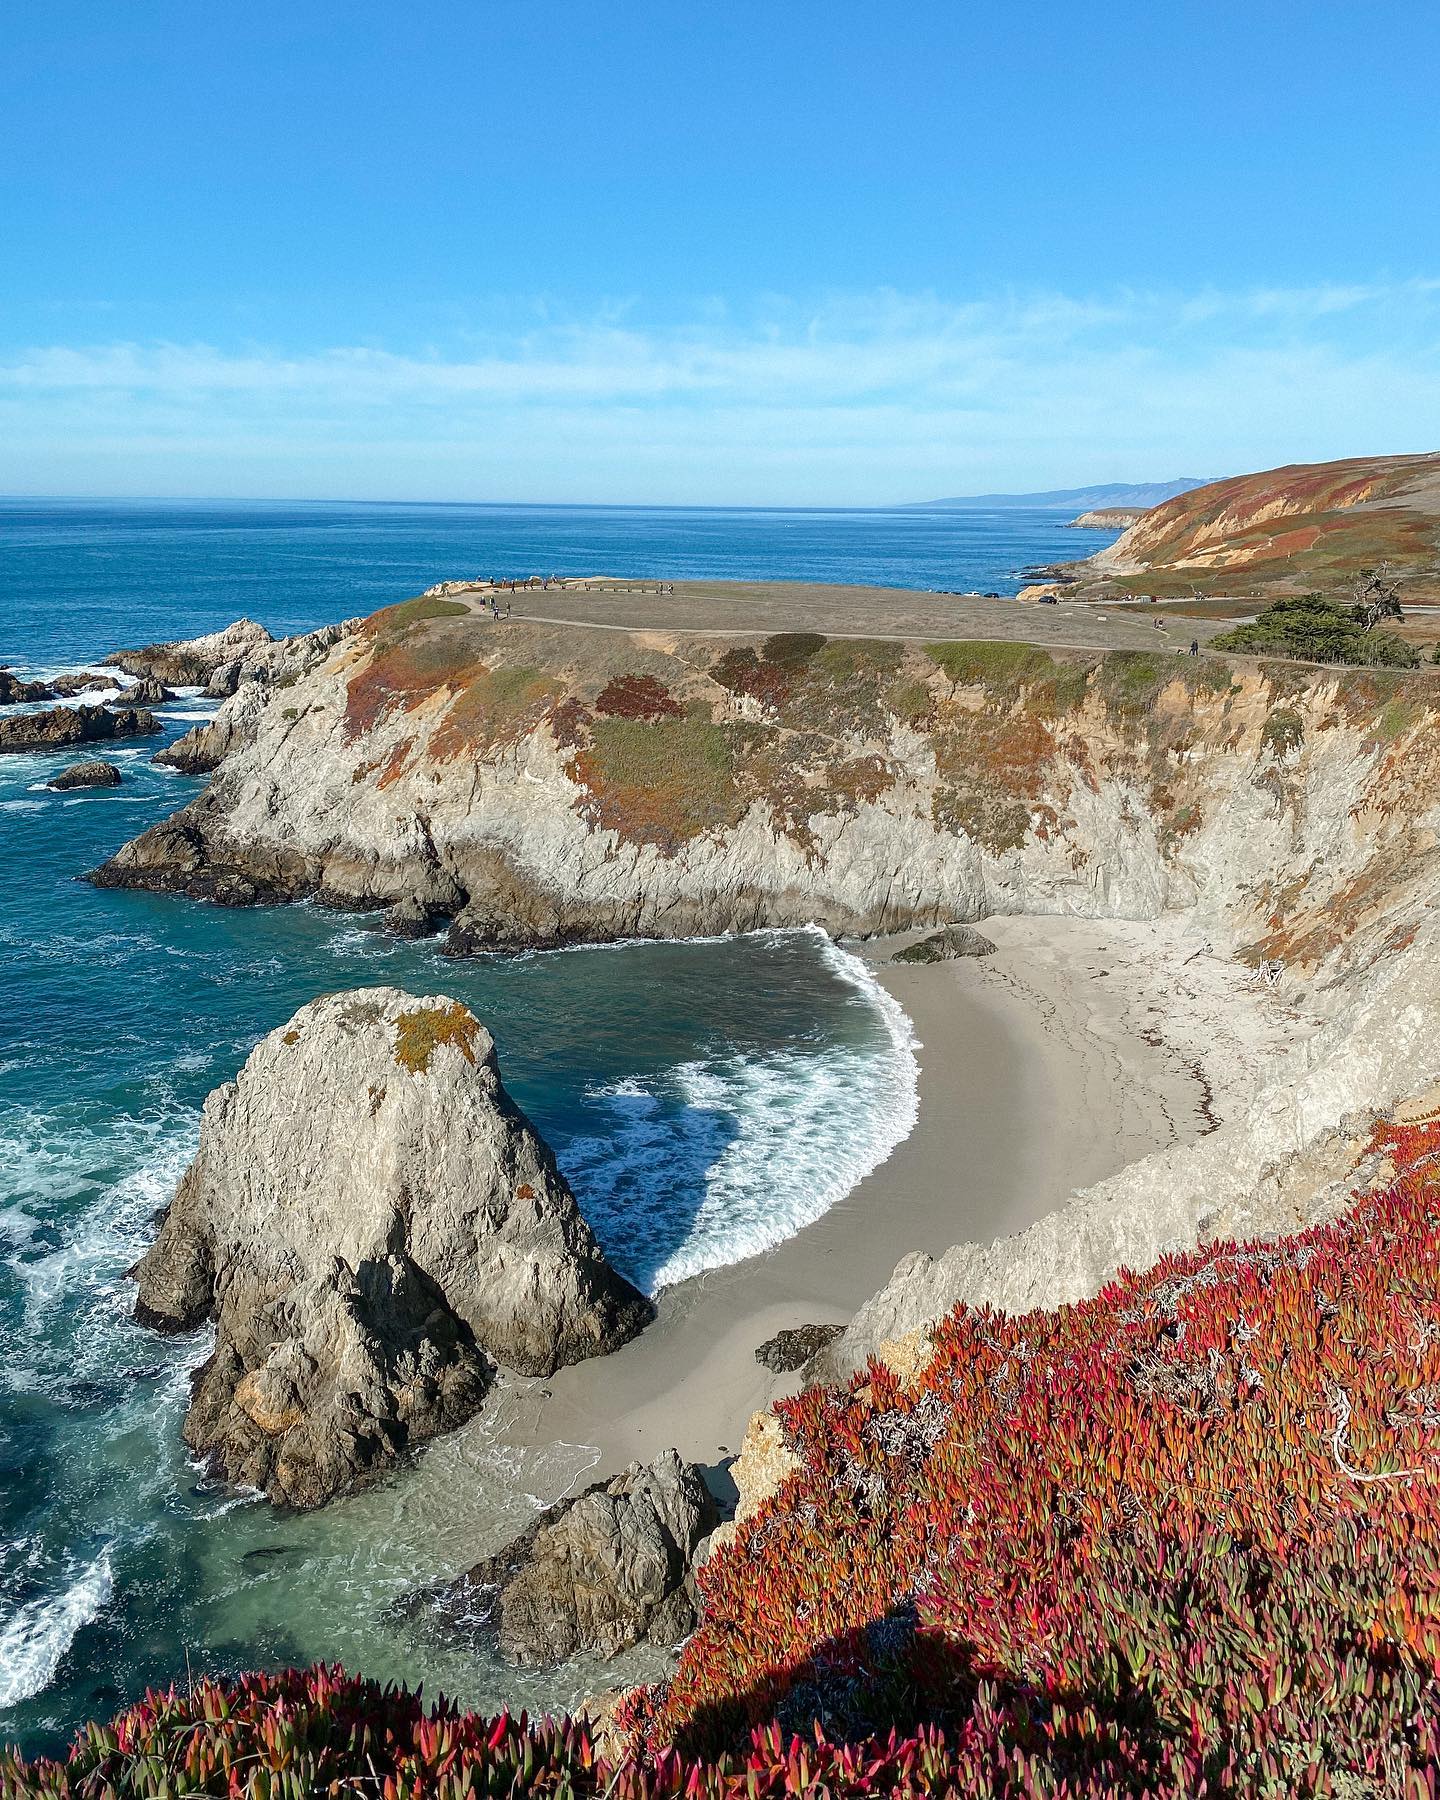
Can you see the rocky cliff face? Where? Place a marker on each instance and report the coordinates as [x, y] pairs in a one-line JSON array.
[[539, 785], [368, 1221], [244, 667], [1290, 530]]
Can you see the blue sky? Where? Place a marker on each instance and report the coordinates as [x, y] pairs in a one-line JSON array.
[[753, 253]]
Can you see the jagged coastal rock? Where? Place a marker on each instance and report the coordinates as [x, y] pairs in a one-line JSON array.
[[369, 1219], [86, 774], [204, 747], [791, 1350], [192, 661], [83, 681], [599, 1573], [246, 669], [15, 692], [63, 726]]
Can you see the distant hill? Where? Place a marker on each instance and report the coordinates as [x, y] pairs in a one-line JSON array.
[[1139, 495], [1308, 526]]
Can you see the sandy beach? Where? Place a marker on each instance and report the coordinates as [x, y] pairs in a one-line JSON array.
[[1076, 1048]]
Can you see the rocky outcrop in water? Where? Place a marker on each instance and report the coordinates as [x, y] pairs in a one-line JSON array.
[[190, 662], [597, 1573], [63, 726], [83, 681], [86, 774], [15, 692], [369, 1220], [147, 691]]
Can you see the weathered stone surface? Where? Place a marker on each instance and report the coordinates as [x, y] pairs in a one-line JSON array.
[[62, 726], [86, 774], [944, 946], [246, 681], [204, 747], [762, 1467], [191, 662], [409, 918], [791, 1350], [82, 681], [598, 1573], [15, 692], [369, 1217], [147, 691]]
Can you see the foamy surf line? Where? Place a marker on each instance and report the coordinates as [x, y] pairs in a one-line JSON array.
[[36, 1636], [753, 1149]]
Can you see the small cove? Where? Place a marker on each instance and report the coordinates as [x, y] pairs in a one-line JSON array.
[[707, 1099]]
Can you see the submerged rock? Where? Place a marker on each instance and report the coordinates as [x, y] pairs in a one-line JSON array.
[[65, 725], [369, 1217], [597, 1573], [791, 1350], [954, 941], [86, 774]]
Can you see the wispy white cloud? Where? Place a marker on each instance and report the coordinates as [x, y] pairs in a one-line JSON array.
[[874, 397]]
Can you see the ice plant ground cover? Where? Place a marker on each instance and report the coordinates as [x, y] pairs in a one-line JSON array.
[[1182, 1538]]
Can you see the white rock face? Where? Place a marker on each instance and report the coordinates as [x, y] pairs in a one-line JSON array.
[[1284, 1163], [369, 1219], [255, 668]]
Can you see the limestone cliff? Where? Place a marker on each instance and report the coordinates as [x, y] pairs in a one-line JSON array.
[[368, 1220], [244, 667]]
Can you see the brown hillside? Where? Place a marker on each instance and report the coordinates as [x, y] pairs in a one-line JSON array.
[[1309, 526]]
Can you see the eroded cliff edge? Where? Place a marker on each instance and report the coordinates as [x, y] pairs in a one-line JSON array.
[[538, 785]]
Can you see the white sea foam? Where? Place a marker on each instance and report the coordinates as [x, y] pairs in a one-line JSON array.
[[36, 1636], [756, 1148]]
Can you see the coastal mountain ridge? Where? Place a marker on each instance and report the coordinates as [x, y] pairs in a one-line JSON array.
[[1098, 496], [1304, 527]]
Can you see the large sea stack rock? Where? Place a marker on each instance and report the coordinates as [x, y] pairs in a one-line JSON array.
[[63, 726], [368, 1219], [599, 1573]]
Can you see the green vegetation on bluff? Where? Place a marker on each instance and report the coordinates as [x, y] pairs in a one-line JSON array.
[[1318, 630]]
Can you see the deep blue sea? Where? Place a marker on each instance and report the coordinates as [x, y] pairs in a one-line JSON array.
[[706, 1099]]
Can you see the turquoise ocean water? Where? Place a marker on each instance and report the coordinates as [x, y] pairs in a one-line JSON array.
[[706, 1099]]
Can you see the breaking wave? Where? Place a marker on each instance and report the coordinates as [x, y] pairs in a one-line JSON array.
[[722, 1158], [36, 1635]]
